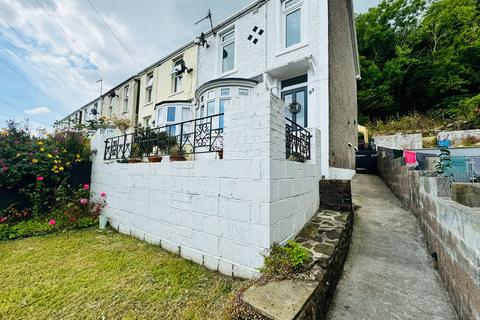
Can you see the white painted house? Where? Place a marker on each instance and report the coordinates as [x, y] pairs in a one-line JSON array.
[[276, 82]]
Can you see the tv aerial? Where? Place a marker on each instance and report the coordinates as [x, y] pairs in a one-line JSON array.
[[209, 17]]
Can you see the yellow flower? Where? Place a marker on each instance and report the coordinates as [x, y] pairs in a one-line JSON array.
[[55, 167], [64, 151], [77, 155], [42, 149], [49, 155], [56, 171], [55, 161], [40, 143], [68, 163], [18, 155], [34, 160], [61, 168]]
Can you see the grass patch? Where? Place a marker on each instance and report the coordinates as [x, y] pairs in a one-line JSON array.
[[36, 227], [91, 274]]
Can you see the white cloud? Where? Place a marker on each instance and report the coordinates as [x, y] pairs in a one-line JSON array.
[[37, 111], [66, 61]]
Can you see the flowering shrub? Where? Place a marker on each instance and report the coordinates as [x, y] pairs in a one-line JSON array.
[[39, 167], [24, 157]]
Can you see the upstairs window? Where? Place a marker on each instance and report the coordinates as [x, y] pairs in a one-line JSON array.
[[177, 75], [292, 21], [148, 88], [227, 44], [126, 97], [146, 122]]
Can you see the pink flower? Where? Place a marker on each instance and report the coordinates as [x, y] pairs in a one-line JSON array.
[[3, 219], [86, 187], [39, 178], [83, 201], [4, 169], [103, 194], [52, 222]]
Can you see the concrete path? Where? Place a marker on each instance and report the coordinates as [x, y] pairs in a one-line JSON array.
[[388, 273]]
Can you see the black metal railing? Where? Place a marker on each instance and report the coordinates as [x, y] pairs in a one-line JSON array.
[[201, 135], [297, 140]]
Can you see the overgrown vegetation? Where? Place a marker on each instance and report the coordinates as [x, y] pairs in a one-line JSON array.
[[284, 261], [35, 195], [419, 56], [280, 262], [90, 274]]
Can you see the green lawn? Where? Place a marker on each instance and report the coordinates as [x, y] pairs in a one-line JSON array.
[[91, 274]]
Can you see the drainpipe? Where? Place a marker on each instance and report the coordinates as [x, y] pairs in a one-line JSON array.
[[137, 103]]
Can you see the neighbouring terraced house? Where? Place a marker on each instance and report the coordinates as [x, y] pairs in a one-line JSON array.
[[263, 106]]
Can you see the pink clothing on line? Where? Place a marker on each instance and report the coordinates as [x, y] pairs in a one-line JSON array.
[[410, 157]]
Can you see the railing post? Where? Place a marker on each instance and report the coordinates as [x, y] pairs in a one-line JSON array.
[[194, 135], [210, 135], [124, 144], [181, 136], [105, 151]]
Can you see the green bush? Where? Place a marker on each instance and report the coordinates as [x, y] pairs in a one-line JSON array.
[[284, 261]]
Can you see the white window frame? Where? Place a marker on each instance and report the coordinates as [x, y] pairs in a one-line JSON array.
[[177, 79], [146, 122], [285, 12], [222, 45], [126, 98], [162, 114], [149, 88]]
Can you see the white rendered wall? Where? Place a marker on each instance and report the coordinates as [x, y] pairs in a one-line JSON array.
[[269, 58], [219, 213]]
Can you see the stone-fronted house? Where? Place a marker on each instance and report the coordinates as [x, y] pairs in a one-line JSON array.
[[263, 107]]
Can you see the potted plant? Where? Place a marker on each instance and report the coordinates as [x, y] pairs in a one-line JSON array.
[[159, 143], [177, 154], [122, 124], [135, 154]]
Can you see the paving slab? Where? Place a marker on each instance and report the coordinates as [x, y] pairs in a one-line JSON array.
[[389, 273]]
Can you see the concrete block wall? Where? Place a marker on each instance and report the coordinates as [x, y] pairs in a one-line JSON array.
[[400, 141], [450, 229], [219, 213]]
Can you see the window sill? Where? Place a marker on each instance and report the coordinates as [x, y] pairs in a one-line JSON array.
[[148, 104], [175, 94], [292, 48], [228, 73]]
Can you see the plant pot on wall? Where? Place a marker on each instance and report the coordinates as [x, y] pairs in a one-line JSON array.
[[155, 159], [134, 160], [177, 157]]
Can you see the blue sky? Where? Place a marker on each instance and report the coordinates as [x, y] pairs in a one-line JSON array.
[[52, 52]]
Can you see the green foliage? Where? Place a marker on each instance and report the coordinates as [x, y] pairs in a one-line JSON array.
[[35, 227], [420, 58], [445, 163], [284, 261], [24, 157]]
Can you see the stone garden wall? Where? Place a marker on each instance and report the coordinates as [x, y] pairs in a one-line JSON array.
[[451, 230]]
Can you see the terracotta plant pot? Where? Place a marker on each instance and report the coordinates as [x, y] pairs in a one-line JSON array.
[[134, 160], [220, 154], [177, 157], [155, 159]]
